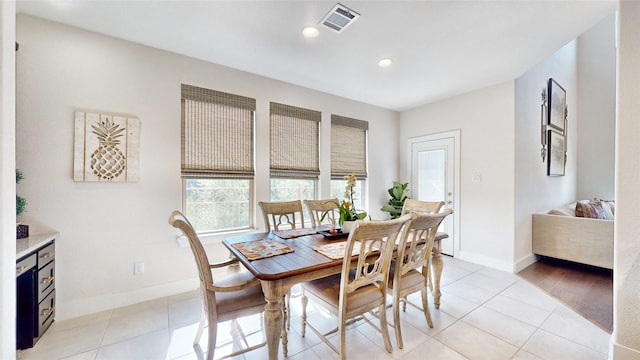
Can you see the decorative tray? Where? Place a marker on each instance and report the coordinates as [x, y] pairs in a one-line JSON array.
[[338, 235]]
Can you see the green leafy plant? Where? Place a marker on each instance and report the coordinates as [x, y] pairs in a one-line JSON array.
[[21, 203], [398, 195]]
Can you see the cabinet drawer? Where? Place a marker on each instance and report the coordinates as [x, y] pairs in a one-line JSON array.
[[46, 313], [25, 264], [46, 280], [46, 254]]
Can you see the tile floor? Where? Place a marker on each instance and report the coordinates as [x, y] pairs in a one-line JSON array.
[[485, 314]]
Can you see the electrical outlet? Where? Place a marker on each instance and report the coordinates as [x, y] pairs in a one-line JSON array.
[[138, 268]]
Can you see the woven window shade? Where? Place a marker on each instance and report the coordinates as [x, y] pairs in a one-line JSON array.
[[295, 151], [217, 134], [348, 147]]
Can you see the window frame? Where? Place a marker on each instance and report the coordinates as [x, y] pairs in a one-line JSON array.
[[212, 167]]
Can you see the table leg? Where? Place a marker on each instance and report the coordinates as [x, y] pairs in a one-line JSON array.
[[436, 267], [273, 292]]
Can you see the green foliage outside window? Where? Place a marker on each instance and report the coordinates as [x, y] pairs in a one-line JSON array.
[[218, 204], [294, 189]]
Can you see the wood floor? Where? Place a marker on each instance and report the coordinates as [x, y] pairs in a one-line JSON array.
[[587, 290]]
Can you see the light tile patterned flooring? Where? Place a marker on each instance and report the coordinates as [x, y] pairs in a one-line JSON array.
[[485, 314]]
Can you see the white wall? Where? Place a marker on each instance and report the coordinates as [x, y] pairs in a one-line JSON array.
[[7, 182], [105, 228], [535, 191], [586, 70], [596, 109], [625, 339], [485, 118], [500, 128]]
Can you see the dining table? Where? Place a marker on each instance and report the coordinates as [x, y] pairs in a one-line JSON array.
[[280, 260]]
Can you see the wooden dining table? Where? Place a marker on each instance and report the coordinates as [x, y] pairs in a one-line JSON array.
[[279, 273]]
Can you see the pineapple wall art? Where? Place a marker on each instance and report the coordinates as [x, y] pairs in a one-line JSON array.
[[106, 147]]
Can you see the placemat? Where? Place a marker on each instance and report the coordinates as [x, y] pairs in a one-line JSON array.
[[293, 233], [262, 248], [336, 250]]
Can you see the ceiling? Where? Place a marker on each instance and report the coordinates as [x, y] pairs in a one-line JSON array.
[[439, 48]]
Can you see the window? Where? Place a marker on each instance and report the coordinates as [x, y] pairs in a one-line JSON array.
[[348, 155], [295, 153], [217, 158], [338, 188]]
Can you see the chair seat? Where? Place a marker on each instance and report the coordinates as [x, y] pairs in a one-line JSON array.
[[410, 280], [328, 290], [228, 302]]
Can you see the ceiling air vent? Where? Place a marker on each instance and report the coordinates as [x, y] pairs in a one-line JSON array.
[[339, 18]]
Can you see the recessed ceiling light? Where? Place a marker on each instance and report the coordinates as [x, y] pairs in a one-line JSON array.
[[385, 62], [310, 32]]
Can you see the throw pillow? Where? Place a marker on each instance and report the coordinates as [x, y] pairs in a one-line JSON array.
[[612, 205], [596, 209], [608, 209], [589, 209]]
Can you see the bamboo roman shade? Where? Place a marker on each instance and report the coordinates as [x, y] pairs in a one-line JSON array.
[[217, 134], [348, 147], [294, 142]]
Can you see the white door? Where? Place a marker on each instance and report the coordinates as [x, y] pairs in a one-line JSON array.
[[434, 167]]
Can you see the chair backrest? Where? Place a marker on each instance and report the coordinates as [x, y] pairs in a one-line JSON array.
[[317, 209], [414, 248], [287, 214], [376, 241], [421, 206], [179, 221]]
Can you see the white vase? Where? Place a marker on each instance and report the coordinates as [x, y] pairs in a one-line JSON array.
[[347, 226]]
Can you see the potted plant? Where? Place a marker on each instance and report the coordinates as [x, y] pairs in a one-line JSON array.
[[22, 231], [398, 195], [348, 213]]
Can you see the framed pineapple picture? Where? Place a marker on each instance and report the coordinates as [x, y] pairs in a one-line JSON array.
[[106, 147]]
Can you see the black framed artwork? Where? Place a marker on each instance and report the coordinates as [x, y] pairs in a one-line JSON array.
[[556, 156], [557, 103]]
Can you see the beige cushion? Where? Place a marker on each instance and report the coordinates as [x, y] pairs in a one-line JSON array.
[[409, 280], [567, 210], [238, 300], [328, 290]]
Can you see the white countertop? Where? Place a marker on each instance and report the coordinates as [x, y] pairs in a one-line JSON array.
[[32, 243]]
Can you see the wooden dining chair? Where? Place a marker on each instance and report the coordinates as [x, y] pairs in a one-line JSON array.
[[236, 295], [414, 252], [421, 206], [360, 289], [318, 209], [279, 215]]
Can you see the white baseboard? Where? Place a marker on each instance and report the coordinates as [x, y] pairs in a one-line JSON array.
[[486, 261], [620, 352], [524, 262], [85, 306]]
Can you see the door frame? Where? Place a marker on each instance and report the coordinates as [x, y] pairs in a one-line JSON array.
[[455, 135]]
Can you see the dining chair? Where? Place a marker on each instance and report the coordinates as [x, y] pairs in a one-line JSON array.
[[280, 215], [361, 289], [421, 206], [318, 209], [235, 296], [414, 252]]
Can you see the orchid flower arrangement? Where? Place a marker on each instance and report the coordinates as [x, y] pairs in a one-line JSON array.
[[346, 208]]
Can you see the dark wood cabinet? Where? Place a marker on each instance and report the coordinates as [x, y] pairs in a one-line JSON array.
[[35, 291]]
